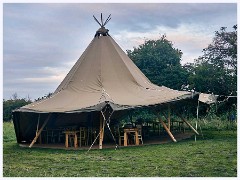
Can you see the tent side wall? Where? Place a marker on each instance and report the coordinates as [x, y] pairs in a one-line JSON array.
[[25, 125], [16, 119]]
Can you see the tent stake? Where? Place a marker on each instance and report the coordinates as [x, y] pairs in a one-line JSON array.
[[39, 132], [187, 123]]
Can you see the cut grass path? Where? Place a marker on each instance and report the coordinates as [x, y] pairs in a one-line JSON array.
[[215, 156]]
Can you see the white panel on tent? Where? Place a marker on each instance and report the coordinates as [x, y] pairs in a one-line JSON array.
[[207, 98]]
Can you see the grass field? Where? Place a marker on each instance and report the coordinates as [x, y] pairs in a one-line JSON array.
[[214, 156]]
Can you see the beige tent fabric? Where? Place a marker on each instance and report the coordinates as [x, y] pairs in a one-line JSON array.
[[104, 74], [207, 98]]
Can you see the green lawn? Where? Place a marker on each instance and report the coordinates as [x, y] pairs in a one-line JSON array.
[[215, 156]]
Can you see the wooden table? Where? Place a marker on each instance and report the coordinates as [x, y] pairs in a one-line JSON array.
[[129, 130], [67, 133]]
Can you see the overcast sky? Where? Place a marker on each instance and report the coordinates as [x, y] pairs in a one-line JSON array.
[[41, 42]]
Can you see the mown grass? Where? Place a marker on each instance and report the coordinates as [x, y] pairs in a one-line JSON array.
[[214, 156]]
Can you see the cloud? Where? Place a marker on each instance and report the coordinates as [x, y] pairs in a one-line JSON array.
[[172, 15], [187, 39]]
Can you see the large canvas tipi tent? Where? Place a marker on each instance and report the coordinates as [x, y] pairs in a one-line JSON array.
[[104, 76]]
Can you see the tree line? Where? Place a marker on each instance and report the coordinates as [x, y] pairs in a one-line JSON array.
[[11, 104], [215, 71], [16, 102]]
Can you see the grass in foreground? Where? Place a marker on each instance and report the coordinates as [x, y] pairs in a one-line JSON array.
[[215, 156]]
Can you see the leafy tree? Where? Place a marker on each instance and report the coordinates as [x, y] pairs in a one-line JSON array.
[[223, 50], [160, 62], [216, 70], [11, 104]]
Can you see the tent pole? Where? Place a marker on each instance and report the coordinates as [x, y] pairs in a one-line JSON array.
[[168, 131], [197, 120], [187, 123], [196, 130], [40, 130], [197, 109], [166, 128], [101, 136], [103, 126], [168, 117]]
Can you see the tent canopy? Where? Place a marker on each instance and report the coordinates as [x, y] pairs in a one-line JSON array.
[[104, 74]]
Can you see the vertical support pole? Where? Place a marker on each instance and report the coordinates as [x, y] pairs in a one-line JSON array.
[[125, 139], [195, 134], [101, 128], [75, 140], [197, 109], [136, 138], [197, 120], [169, 120]]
